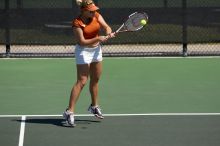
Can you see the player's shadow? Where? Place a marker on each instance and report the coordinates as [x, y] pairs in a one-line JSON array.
[[57, 121]]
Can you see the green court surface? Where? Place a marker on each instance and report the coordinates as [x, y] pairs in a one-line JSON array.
[[146, 101], [138, 85]]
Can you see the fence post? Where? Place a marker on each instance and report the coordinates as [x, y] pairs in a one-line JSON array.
[[19, 4], [165, 3], [184, 27], [7, 28]]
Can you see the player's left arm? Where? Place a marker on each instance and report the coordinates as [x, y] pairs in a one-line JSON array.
[[106, 27]]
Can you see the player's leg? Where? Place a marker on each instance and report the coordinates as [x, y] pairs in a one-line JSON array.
[[95, 74], [82, 77]]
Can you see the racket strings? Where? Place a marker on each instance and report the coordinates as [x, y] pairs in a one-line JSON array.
[[133, 23]]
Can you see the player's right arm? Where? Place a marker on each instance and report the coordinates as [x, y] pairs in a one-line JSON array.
[[87, 42]]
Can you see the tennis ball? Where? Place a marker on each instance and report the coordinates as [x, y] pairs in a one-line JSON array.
[[143, 22]]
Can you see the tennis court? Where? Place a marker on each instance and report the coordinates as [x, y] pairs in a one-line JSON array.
[[146, 101]]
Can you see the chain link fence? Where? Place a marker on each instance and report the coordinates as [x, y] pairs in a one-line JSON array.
[[42, 28]]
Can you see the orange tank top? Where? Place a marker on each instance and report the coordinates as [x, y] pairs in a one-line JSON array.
[[90, 30]]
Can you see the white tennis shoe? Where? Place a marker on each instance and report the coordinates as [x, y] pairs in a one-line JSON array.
[[96, 111], [69, 117]]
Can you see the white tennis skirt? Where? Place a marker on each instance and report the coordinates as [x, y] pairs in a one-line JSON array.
[[87, 55]]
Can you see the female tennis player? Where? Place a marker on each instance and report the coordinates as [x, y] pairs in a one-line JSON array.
[[88, 55]]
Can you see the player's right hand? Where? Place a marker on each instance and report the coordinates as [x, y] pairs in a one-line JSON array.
[[111, 35], [103, 38]]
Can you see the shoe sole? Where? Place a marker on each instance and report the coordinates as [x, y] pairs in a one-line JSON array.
[[67, 122], [97, 116]]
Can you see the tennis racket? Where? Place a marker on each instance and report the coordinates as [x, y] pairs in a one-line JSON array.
[[135, 22]]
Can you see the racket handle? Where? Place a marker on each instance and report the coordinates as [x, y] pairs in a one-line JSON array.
[[111, 35]]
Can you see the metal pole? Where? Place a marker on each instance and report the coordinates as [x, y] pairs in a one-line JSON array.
[[7, 28], [165, 2], [184, 27], [19, 4]]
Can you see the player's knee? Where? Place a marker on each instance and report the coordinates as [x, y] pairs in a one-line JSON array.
[[82, 82], [95, 79]]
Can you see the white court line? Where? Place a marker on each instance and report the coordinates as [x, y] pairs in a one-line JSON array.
[[147, 57], [110, 115], [22, 130]]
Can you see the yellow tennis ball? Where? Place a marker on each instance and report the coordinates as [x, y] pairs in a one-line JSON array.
[[143, 22]]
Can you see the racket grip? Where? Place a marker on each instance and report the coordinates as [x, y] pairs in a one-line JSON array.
[[111, 35]]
